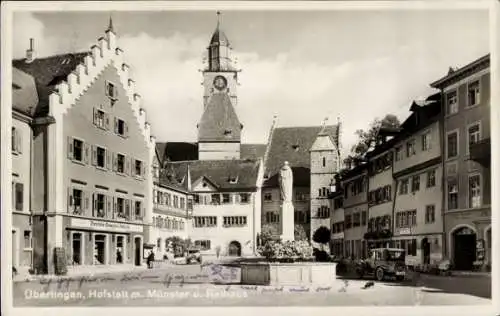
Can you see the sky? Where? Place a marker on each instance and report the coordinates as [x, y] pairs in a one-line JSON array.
[[301, 66]]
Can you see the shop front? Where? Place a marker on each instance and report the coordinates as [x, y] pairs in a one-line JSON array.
[[99, 242], [422, 249], [469, 239]]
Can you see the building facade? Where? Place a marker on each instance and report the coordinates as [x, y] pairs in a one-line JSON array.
[[337, 222], [418, 220], [226, 204], [355, 187], [96, 149], [380, 196], [466, 163], [24, 99], [172, 213]]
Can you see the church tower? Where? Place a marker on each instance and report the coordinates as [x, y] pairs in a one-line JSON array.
[[219, 130], [324, 165]]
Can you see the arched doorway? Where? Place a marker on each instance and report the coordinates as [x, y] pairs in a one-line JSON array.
[[234, 249], [426, 251], [464, 248]]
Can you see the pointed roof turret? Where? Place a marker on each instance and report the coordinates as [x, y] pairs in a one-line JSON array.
[[218, 37]]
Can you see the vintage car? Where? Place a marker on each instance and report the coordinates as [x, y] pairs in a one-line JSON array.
[[193, 255], [383, 262]]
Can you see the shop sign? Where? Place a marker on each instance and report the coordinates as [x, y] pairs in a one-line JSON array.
[[338, 235], [404, 231], [105, 226]]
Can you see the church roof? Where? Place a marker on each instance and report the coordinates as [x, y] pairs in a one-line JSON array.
[[219, 121], [24, 94], [244, 173], [292, 144], [182, 151], [48, 72]]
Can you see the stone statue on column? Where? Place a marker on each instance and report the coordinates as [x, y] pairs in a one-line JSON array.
[[287, 209]]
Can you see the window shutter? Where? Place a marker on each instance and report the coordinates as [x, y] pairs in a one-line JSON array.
[[107, 121], [143, 212], [95, 116], [115, 91], [115, 206], [127, 165], [14, 140], [86, 202], [19, 142], [109, 159], [70, 147], [125, 127], [106, 85], [109, 208], [86, 153], [116, 125], [19, 196], [143, 170], [114, 161], [94, 204], [94, 155], [127, 208], [70, 199]]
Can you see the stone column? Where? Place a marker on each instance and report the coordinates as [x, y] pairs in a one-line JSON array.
[[287, 209]]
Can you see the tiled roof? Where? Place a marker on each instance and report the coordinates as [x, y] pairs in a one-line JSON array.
[[252, 151], [48, 72], [292, 144], [181, 151], [24, 94], [219, 121], [219, 172]]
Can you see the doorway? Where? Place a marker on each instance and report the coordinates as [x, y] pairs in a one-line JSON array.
[[100, 249], [120, 249], [137, 251], [464, 248], [234, 249], [77, 248], [426, 251]]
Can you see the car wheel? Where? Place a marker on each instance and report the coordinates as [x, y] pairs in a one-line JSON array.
[[379, 274]]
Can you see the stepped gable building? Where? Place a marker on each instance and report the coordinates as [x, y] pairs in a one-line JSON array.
[[294, 144], [467, 163], [92, 153]]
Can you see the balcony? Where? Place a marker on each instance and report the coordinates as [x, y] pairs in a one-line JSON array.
[[481, 152]]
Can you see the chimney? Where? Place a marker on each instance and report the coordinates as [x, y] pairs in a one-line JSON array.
[[30, 53]]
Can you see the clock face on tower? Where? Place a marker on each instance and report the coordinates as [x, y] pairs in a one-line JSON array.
[[220, 82]]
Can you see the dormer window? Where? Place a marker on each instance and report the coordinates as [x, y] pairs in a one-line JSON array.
[[295, 147], [233, 179], [227, 132]]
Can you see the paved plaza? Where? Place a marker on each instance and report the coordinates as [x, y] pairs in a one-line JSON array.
[[188, 286]]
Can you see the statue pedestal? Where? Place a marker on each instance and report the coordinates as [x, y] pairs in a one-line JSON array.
[[287, 212]]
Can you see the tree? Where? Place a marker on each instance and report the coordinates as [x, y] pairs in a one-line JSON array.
[[322, 236], [299, 233], [368, 138]]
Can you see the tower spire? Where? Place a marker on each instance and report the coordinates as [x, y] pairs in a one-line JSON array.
[[110, 25], [218, 19]]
